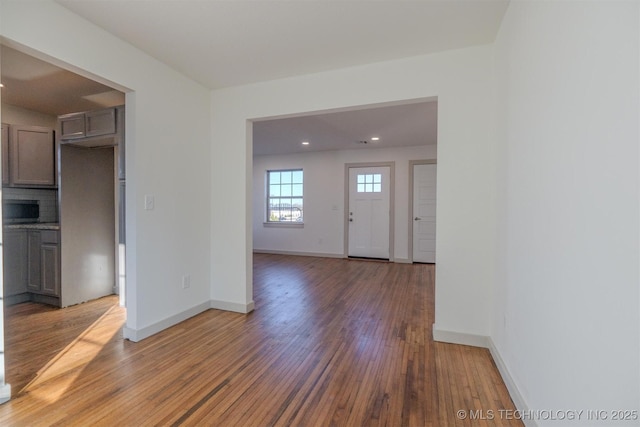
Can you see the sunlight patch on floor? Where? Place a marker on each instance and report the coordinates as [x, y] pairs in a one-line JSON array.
[[72, 360]]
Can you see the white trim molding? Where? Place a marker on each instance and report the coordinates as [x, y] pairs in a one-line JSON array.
[[461, 338], [136, 335], [232, 306], [314, 254], [513, 389]]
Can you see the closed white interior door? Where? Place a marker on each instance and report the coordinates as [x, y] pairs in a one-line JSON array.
[[369, 210], [424, 213]]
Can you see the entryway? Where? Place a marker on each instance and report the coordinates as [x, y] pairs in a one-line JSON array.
[[369, 211]]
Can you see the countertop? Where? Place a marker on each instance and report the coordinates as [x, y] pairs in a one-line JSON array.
[[33, 226]]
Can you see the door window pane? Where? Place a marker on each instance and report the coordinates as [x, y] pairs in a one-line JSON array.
[[369, 183]]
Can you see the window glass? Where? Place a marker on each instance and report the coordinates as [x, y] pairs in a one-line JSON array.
[[369, 183], [285, 196]]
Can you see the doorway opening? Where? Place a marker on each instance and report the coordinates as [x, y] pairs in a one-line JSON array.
[[321, 143], [39, 274]]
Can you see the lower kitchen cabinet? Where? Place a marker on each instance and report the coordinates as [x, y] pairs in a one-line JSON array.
[[32, 264], [44, 262], [50, 268], [15, 262], [33, 282]]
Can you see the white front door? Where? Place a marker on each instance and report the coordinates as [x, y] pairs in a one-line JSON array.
[[424, 213], [369, 190]]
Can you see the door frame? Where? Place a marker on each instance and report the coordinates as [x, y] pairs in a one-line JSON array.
[[413, 163], [392, 169]]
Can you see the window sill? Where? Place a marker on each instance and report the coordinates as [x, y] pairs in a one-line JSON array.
[[283, 224]]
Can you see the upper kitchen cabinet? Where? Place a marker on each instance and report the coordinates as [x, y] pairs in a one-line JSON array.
[[72, 126], [32, 157], [5, 153], [87, 125], [92, 129]]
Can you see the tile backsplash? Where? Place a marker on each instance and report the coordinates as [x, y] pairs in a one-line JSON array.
[[48, 200]]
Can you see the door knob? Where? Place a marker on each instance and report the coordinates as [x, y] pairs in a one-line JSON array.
[[417, 219], [350, 219]]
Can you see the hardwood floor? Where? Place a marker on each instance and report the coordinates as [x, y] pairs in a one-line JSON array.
[[332, 342]]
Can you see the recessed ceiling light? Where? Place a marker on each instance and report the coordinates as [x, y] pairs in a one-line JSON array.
[[305, 142], [375, 138]]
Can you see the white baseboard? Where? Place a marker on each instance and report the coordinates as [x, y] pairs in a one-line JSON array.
[[136, 335], [319, 255], [316, 254], [5, 393], [453, 337], [232, 306], [513, 389]]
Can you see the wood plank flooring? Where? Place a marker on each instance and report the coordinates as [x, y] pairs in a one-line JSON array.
[[331, 342]]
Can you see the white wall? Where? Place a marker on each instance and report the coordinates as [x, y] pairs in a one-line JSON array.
[[168, 156], [21, 116], [566, 305], [87, 224], [323, 231], [465, 213]]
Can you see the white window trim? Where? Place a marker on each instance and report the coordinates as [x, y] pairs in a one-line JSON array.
[[280, 224], [283, 224]]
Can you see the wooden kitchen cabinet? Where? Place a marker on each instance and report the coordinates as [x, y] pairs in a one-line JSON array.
[[49, 263], [72, 126], [34, 278], [43, 262], [102, 122], [31, 266], [5, 153], [87, 125], [15, 258], [32, 157]]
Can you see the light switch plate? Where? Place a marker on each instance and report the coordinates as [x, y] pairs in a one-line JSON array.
[[149, 202]]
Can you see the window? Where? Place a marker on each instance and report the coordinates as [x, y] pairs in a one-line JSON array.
[[284, 196], [369, 183]]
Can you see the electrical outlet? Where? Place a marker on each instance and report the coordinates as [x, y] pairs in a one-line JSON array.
[[186, 281]]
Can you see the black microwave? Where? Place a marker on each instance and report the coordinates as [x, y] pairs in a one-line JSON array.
[[20, 211]]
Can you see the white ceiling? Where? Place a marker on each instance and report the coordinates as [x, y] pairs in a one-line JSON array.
[[396, 126], [227, 43]]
